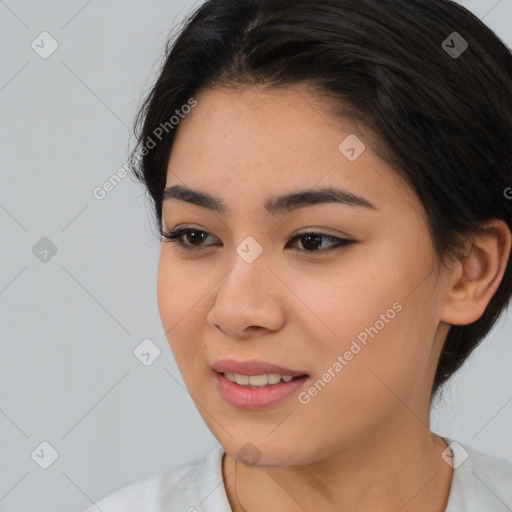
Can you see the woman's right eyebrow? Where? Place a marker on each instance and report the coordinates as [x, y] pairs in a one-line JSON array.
[[278, 205]]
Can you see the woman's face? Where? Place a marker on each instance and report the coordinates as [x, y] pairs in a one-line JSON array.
[[361, 320]]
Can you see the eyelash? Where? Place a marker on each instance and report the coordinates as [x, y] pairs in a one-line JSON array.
[[176, 236]]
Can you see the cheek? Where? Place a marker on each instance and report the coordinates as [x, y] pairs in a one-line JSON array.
[[181, 303], [378, 313], [168, 283], [179, 290]]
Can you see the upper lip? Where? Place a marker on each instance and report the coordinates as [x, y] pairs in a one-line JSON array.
[[252, 367]]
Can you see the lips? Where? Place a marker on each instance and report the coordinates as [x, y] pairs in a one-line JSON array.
[[253, 367], [253, 399]]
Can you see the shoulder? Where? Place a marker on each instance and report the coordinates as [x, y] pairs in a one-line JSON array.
[[183, 488], [480, 481]]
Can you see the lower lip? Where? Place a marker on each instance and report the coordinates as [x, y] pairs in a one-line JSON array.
[[251, 399]]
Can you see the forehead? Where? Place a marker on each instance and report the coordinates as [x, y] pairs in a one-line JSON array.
[[246, 143]]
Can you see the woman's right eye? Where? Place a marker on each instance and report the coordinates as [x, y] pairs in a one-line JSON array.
[[176, 236]]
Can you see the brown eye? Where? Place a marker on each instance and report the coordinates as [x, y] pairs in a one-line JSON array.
[[312, 241], [194, 237]]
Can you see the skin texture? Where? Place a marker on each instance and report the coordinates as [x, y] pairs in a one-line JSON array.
[[363, 442]]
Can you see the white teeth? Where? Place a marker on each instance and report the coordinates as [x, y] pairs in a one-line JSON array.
[[230, 377], [273, 378], [243, 380], [257, 381]]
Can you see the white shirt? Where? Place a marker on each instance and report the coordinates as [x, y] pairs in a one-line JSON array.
[[480, 483]]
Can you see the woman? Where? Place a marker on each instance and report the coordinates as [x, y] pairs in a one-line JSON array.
[[331, 180]]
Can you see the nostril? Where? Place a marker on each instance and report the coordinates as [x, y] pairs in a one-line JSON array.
[[228, 334]]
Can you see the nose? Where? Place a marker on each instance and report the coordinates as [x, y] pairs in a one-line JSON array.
[[248, 301]]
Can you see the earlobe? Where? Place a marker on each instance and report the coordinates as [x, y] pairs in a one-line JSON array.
[[478, 275]]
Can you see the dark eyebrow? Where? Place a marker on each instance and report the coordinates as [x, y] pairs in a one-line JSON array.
[[275, 205]]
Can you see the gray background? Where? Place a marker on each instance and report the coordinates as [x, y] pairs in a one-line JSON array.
[[70, 323]]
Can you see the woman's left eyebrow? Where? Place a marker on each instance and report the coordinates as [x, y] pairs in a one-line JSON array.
[[275, 205]]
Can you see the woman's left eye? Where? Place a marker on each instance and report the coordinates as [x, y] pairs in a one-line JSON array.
[[311, 241]]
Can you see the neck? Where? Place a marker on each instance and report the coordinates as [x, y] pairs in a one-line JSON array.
[[403, 472]]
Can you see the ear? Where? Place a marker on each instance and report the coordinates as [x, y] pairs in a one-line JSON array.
[[476, 277]]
